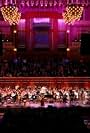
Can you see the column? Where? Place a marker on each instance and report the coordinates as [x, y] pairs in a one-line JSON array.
[[27, 33], [54, 33]]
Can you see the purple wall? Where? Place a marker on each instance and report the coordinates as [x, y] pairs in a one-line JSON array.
[[76, 30]]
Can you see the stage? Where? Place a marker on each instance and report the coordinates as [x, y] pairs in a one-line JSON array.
[[80, 107], [32, 104]]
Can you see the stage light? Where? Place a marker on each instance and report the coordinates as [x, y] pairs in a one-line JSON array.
[[14, 31], [15, 49], [68, 49], [68, 31]]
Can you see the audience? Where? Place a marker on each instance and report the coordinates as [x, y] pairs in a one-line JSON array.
[[44, 67]]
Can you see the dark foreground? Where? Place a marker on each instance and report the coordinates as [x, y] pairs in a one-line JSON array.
[[45, 120]]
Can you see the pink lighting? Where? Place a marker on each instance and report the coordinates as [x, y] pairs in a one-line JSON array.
[[6, 2], [21, 25], [60, 21], [22, 21], [27, 3], [61, 25], [41, 20]]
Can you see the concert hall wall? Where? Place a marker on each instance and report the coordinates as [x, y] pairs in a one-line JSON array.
[[58, 36]]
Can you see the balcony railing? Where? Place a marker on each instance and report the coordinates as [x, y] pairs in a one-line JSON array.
[[45, 3]]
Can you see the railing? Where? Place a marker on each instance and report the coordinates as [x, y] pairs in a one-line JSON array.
[[45, 3], [51, 3], [48, 81]]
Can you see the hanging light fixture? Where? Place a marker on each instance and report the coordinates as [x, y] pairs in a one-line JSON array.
[[73, 13], [11, 13]]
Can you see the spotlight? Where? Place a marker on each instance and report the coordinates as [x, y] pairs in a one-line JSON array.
[[15, 49], [68, 49], [68, 31], [14, 31]]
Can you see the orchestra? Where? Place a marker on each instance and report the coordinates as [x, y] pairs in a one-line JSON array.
[[42, 93]]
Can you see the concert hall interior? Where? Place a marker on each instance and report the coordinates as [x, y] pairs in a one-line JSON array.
[[44, 66]]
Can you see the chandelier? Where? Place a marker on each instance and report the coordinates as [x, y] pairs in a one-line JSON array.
[[11, 14], [72, 13]]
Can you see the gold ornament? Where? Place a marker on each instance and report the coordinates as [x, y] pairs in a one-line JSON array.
[[73, 13], [11, 14]]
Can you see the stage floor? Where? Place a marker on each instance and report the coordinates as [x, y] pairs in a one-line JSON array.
[[32, 104], [84, 106]]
